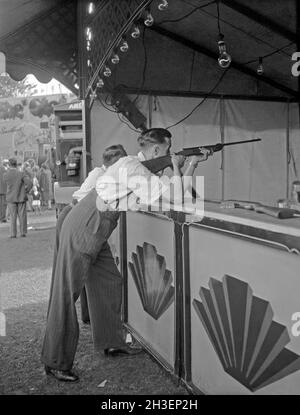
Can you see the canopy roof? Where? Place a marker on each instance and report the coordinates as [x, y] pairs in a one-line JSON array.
[[39, 37], [176, 55]]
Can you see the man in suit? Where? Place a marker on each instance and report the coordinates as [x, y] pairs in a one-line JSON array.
[[18, 185], [3, 204]]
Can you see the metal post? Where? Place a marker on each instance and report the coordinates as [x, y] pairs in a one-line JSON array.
[[288, 150], [222, 133]]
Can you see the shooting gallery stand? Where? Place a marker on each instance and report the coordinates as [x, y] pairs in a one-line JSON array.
[[230, 338]]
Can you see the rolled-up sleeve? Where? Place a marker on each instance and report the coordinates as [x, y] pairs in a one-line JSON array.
[[88, 184]]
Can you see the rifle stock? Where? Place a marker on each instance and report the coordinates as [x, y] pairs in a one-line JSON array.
[[161, 163]]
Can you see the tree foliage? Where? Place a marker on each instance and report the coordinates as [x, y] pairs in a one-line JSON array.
[[10, 88]]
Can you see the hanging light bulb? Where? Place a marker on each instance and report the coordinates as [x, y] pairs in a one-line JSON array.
[[88, 34], [149, 19], [260, 68], [89, 62], [91, 8], [88, 45], [107, 71], [163, 5], [100, 83], [115, 59], [224, 57], [124, 46], [136, 32]]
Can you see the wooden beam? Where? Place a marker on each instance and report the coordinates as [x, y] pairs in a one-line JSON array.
[[238, 66], [259, 18], [198, 94]]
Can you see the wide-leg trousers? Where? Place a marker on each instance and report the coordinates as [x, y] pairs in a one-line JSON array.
[[104, 294], [83, 298], [18, 210], [3, 206]]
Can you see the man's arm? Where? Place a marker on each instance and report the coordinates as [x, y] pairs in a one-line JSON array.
[[149, 188], [88, 184]]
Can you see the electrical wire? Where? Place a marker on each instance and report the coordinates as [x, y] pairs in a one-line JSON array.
[[269, 54], [218, 16], [192, 69], [103, 105], [188, 14], [144, 67], [201, 102]]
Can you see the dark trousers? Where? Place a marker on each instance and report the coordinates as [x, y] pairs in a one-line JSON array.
[[18, 210], [83, 299], [3, 206], [77, 266]]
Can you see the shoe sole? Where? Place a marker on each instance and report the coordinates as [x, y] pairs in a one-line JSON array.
[[60, 380]]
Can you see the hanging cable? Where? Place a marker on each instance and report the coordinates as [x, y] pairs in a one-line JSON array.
[[192, 70], [188, 14], [218, 16], [201, 102], [269, 54], [144, 67]]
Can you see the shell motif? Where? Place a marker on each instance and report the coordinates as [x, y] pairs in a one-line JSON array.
[[249, 344], [153, 281]]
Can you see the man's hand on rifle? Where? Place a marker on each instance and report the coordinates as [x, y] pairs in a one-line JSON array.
[[194, 160]]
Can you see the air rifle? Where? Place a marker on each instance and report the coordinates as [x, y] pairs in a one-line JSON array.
[[161, 163]]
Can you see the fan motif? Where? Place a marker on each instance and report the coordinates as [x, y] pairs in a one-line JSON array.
[[249, 344], [153, 281]]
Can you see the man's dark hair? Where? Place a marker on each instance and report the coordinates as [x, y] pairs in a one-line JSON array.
[[13, 162], [112, 154], [154, 136]]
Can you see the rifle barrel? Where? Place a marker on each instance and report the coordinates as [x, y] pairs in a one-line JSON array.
[[241, 142], [221, 144]]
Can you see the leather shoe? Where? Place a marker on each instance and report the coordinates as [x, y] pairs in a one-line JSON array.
[[62, 375], [124, 350]]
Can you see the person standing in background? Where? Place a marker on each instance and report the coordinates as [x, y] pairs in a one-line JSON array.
[[28, 170], [44, 185], [49, 176], [3, 204], [18, 185]]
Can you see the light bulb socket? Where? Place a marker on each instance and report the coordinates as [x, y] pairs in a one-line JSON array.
[[107, 71], [149, 20], [260, 68], [163, 5], [100, 83], [115, 59], [136, 33], [124, 46]]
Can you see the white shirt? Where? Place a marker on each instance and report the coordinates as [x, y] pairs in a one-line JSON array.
[[127, 184], [89, 183]]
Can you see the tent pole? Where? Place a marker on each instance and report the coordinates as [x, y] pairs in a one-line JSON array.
[[150, 109], [222, 133], [288, 149], [298, 48]]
